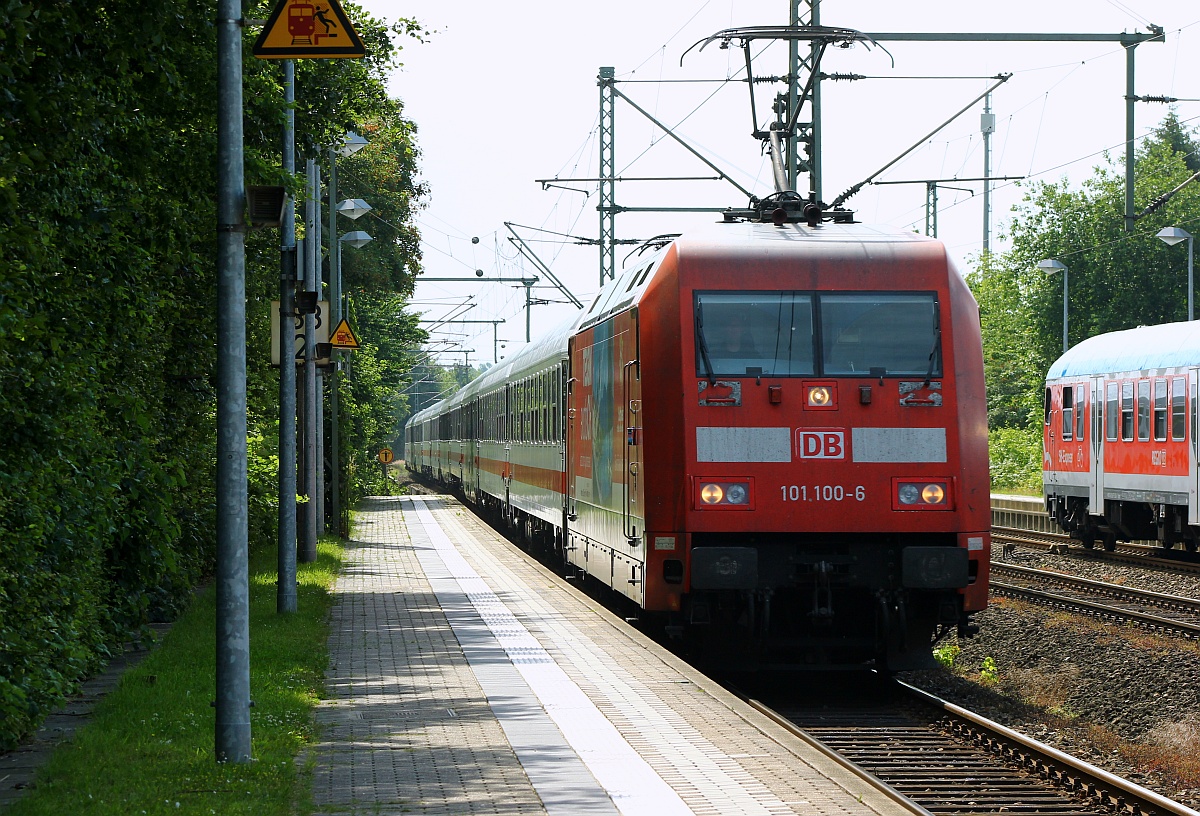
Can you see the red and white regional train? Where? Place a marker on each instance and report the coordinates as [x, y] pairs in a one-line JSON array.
[[1120, 459], [774, 436]]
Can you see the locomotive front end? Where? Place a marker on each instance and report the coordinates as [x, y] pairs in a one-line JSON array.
[[831, 504]]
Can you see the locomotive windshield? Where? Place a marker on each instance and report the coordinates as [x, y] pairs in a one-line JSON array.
[[772, 334]]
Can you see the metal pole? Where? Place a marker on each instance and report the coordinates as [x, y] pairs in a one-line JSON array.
[[1065, 271], [285, 590], [528, 307], [321, 448], [232, 742], [1190, 312], [335, 305], [308, 541], [814, 154], [319, 387], [987, 124], [1129, 124], [793, 97], [607, 174]]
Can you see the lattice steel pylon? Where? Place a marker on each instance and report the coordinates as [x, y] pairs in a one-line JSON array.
[[804, 13], [607, 175]]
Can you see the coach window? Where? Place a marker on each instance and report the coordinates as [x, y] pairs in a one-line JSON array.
[[1080, 411], [1143, 409], [1160, 410], [1178, 408], [1111, 413], [1068, 412], [1127, 411], [545, 394], [1046, 403]]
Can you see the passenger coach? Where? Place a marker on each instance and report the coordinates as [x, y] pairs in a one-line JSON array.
[[1119, 439], [774, 437]]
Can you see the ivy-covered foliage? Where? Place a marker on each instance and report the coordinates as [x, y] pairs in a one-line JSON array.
[[107, 293]]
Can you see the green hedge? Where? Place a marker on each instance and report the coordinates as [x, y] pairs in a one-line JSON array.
[[107, 325]]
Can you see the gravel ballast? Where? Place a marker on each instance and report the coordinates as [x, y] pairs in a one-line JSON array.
[[1113, 695]]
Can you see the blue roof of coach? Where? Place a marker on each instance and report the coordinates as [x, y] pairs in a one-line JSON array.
[[1169, 345]]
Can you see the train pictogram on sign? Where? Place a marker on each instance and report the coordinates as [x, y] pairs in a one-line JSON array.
[[308, 29], [343, 337]]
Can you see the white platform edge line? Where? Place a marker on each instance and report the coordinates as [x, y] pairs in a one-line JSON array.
[[634, 786]]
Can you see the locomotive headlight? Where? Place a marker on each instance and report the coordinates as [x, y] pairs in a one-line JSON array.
[[933, 494], [819, 396], [920, 494], [724, 495]]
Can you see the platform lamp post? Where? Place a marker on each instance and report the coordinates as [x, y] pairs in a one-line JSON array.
[[1172, 236], [1050, 266], [351, 144]]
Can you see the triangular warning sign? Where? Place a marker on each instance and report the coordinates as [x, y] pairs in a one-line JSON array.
[[308, 29], [342, 337]]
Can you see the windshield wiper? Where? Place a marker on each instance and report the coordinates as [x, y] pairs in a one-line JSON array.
[[937, 342], [703, 344]]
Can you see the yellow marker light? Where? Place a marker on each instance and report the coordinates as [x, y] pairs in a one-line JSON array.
[[819, 395], [711, 494], [933, 494]]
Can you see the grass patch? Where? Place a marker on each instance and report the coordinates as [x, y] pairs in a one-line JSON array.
[[149, 747]]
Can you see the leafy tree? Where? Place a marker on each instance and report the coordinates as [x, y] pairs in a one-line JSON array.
[[1117, 280]]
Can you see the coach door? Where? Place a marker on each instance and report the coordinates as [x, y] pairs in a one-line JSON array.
[[631, 399], [1096, 475], [1193, 450]]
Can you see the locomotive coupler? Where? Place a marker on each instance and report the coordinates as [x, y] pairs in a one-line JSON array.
[[822, 611]]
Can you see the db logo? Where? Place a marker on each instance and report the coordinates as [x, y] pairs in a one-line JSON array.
[[821, 444]]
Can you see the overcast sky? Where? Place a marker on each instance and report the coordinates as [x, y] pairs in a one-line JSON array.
[[505, 93]]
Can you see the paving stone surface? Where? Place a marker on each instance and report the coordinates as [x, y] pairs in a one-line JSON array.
[[466, 678]]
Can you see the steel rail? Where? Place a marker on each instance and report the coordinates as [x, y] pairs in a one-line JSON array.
[[1128, 794], [842, 761], [1096, 609], [1177, 603]]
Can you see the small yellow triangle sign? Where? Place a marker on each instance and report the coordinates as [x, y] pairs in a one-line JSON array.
[[343, 338], [308, 29]]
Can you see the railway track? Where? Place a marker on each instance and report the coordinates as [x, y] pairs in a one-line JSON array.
[[951, 761], [1171, 614], [1022, 520], [1138, 555]]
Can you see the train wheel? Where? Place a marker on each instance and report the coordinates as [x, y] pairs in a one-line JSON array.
[[1190, 545], [1110, 542], [1088, 541]]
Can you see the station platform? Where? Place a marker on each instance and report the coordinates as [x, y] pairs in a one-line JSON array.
[[467, 678]]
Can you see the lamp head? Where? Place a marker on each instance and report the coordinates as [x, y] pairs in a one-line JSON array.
[[351, 144], [353, 208], [356, 239], [1051, 265], [1173, 235]]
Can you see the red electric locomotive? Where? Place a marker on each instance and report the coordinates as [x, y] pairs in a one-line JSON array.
[[774, 436], [1119, 443]]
